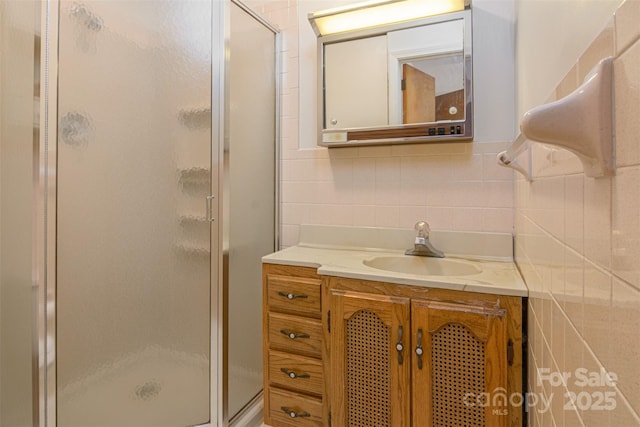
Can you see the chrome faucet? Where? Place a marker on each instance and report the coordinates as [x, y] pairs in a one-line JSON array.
[[422, 246]]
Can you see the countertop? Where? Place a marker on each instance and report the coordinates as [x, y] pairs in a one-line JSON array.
[[498, 275]]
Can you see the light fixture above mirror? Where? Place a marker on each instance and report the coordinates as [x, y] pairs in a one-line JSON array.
[[379, 12]]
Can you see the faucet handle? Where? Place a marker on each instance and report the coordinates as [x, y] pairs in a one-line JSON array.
[[422, 227]]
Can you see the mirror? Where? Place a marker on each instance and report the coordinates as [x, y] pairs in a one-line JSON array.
[[403, 83]]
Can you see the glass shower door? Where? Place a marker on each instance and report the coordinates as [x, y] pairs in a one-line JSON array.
[[133, 237]]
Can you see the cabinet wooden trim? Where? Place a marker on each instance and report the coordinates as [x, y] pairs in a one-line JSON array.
[[514, 325], [415, 292]]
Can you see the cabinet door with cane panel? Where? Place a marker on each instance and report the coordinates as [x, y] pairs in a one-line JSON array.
[[398, 361], [370, 360], [459, 364]]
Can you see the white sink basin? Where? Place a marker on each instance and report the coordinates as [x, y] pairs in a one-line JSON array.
[[425, 266]]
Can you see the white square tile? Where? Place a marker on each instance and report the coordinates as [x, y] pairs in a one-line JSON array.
[[574, 212], [626, 71], [597, 311], [492, 171], [601, 47], [364, 215], [440, 218], [626, 224], [387, 216], [467, 219], [626, 322], [626, 22], [387, 180], [597, 221], [289, 235], [497, 194], [589, 416], [574, 288], [497, 220], [409, 215]]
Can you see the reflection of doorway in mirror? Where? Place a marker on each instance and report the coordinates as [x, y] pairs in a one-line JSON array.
[[447, 70], [418, 96]]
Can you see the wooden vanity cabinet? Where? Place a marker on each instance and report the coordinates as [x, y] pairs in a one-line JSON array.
[[293, 340], [374, 354], [411, 356]]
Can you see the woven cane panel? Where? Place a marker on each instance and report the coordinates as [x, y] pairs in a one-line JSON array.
[[457, 369], [367, 371]]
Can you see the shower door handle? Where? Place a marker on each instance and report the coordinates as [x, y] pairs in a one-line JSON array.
[[210, 208]]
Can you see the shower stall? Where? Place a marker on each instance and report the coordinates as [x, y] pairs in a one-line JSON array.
[[138, 192]]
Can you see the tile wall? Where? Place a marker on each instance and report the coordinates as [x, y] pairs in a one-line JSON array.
[[578, 247], [454, 186]]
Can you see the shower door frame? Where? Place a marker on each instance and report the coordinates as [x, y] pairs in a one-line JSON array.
[[224, 419], [46, 218]]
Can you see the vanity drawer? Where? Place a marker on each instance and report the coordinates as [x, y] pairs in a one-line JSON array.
[[295, 334], [296, 372], [292, 409], [294, 295]]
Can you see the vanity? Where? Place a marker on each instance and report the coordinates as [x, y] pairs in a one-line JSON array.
[[356, 333]]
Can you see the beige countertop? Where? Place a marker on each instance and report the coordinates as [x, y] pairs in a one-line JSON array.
[[332, 257]]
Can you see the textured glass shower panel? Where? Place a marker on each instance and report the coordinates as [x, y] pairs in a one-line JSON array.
[[250, 171], [18, 149], [133, 267]]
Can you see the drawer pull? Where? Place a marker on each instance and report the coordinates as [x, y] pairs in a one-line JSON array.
[[292, 296], [293, 375], [293, 414], [294, 335]]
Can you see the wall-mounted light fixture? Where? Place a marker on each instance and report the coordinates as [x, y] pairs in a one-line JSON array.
[[379, 12]]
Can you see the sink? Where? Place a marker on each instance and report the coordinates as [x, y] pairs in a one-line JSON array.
[[425, 266]]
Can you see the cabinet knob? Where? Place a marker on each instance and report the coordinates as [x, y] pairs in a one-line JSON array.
[[294, 335], [419, 350], [293, 413], [292, 374], [400, 345], [290, 296]]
